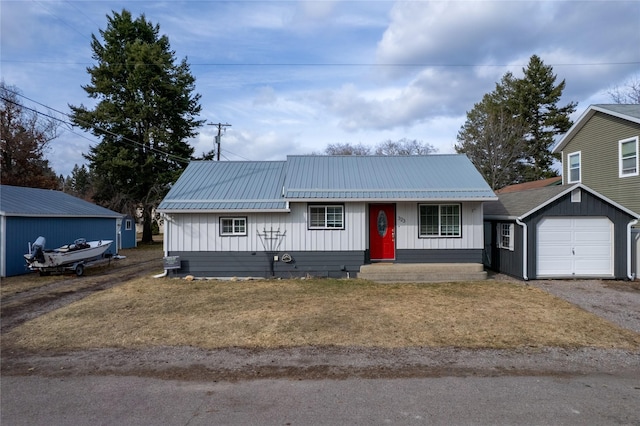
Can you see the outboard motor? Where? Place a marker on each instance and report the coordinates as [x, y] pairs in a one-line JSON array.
[[37, 250]]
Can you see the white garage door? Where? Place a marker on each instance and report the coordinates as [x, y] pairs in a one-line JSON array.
[[575, 246]]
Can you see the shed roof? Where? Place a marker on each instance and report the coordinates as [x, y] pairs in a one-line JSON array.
[[520, 204], [35, 202], [629, 112], [428, 177], [228, 185], [271, 185]]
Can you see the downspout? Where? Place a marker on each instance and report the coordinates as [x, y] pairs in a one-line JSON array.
[[629, 273], [525, 256], [164, 244]]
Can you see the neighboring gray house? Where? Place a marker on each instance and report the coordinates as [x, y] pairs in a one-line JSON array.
[[602, 151], [324, 215], [27, 213], [567, 231]]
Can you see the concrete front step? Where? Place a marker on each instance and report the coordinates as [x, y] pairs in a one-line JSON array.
[[422, 272]]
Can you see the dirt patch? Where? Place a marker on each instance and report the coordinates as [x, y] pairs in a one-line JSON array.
[[30, 296], [314, 362]]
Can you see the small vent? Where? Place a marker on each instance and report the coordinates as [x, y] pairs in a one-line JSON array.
[[576, 196]]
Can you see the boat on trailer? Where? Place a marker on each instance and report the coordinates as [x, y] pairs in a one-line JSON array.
[[72, 257]]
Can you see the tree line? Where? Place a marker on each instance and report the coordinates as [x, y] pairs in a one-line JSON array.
[[146, 109]]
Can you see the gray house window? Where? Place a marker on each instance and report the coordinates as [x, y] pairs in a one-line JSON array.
[[505, 239], [231, 226], [629, 157], [574, 167], [439, 220], [326, 217]]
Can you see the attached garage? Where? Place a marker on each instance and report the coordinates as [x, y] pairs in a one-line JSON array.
[[565, 231], [570, 246]]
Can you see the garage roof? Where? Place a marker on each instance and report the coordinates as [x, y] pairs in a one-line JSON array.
[[35, 202], [520, 204]]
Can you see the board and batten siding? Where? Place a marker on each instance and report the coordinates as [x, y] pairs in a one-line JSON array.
[[407, 229], [201, 232], [196, 232], [589, 206], [598, 142]]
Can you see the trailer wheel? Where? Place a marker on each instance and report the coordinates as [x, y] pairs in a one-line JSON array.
[[80, 270]]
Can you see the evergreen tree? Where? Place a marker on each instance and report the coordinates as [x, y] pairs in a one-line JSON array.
[[145, 112], [535, 103], [23, 143], [523, 117]]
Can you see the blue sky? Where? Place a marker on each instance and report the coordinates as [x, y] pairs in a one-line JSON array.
[[292, 77]]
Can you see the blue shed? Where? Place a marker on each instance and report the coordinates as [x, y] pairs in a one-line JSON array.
[[27, 213]]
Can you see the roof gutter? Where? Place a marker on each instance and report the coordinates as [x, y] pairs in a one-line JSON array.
[[525, 238], [630, 274]]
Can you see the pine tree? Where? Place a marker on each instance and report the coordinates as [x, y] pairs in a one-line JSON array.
[[145, 112]]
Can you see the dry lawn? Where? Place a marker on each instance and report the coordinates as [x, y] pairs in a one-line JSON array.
[[281, 313]]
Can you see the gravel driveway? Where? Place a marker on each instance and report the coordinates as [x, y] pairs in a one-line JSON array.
[[616, 301]]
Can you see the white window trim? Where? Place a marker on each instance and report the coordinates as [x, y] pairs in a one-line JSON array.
[[128, 224], [623, 141], [325, 226], [501, 228], [440, 235], [233, 233], [579, 155]]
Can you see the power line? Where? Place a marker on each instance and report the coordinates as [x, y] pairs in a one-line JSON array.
[[71, 125]]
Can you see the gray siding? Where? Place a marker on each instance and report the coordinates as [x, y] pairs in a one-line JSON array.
[[503, 260], [598, 143], [590, 206], [20, 231], [260, 264]]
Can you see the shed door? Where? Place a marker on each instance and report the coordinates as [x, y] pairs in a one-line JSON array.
[[382, 231], [575, 246]]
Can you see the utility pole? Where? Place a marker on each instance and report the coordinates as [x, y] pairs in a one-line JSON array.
[[219, 136]]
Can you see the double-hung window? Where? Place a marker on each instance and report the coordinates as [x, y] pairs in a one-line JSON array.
[[326, 216], [574, 167], [505, 236], [440, 220], [629, 157], [233, 226]]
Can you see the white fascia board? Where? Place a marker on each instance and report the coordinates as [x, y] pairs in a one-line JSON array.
[[390, 200], [223, 211], [582, 120]]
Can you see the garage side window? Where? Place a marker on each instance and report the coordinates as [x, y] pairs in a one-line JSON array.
[[128, 224], [574, 167], [233, 226], [505, 239], [629, 157]]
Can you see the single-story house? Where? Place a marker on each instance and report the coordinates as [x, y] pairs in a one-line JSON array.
[[565, 231], [27, 213], [323, 215]]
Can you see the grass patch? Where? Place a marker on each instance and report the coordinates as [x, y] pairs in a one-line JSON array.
[[284, 313]]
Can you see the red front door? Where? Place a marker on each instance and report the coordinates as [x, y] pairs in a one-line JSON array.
[[382, 231]]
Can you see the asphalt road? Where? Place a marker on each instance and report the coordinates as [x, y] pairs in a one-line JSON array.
[[513, 400]]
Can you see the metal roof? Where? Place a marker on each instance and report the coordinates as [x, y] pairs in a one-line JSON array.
[[270, 185], [228, 186], [521, 204], [629, 112], [427, 177], [35, 202]]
